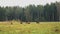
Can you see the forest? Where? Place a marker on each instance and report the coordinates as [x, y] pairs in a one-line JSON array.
[[30, 13]]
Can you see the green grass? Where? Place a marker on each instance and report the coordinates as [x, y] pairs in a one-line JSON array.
[[33, 28]]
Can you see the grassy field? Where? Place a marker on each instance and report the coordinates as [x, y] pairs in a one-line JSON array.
[[33, 28]]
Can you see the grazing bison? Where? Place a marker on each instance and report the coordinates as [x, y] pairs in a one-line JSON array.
[[37, 21], [27, 22]]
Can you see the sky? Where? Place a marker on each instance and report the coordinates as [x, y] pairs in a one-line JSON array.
[[24, 3]]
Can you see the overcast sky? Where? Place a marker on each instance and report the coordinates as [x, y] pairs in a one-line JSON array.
[[24, 2]]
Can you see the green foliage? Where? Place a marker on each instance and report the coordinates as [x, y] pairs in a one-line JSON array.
[[31, 13]]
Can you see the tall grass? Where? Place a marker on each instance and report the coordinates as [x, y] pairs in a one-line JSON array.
[[32, 28]]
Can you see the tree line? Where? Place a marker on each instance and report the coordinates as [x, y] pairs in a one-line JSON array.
[[30, 13]]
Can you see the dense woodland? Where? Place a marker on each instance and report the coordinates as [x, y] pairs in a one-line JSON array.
[[30, 13]]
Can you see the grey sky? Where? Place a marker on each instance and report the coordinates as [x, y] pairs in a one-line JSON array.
[[24, 2]]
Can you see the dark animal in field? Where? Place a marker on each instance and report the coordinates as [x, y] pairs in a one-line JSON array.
[[27, 22], [37, 21]]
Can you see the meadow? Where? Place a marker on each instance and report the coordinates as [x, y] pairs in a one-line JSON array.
[[32, 28]]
